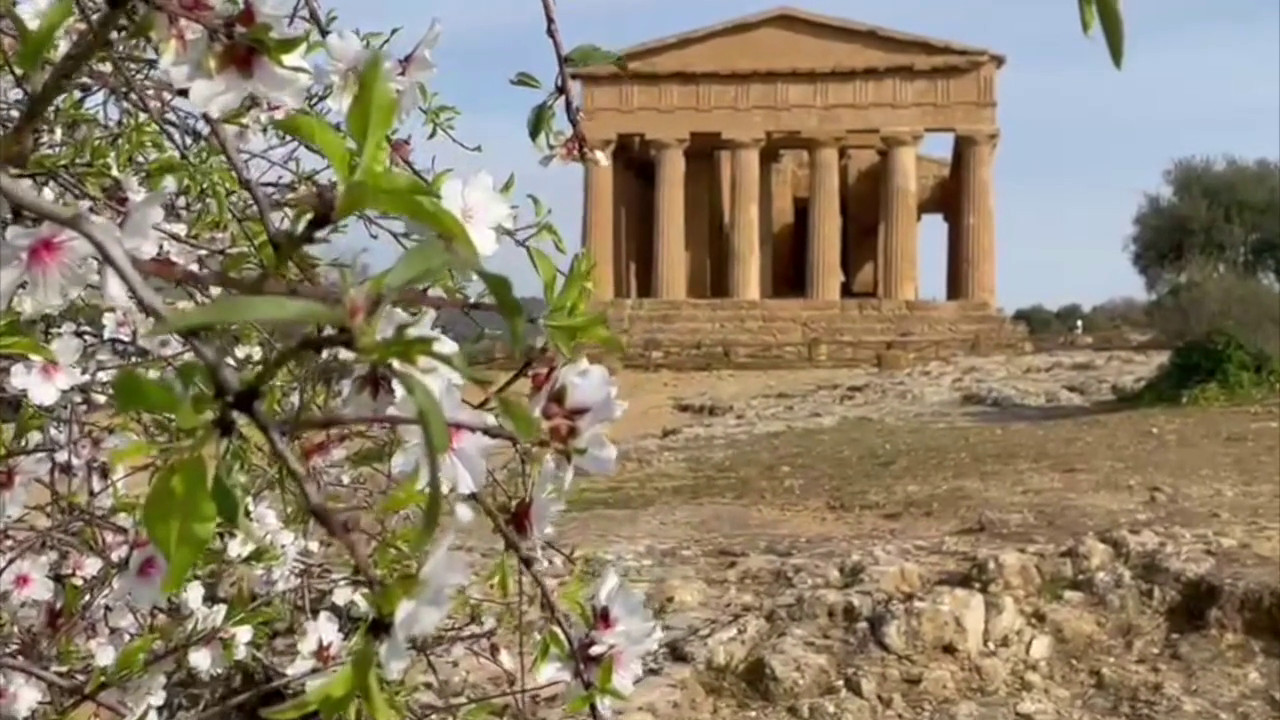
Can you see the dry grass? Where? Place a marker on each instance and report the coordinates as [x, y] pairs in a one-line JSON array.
[[1191, 467]]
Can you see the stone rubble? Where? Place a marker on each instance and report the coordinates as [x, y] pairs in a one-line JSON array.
[[970, 389], [1127, 625]]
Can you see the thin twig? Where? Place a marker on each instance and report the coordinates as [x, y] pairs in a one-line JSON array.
[[564, 84], [529, 565]]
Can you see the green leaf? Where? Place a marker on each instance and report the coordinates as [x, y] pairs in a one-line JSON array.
[[226, 496], [263, 309], [402, 497], [580, 703], [371, 116], [429, 213], [523, 423], [370, 686], [24, 347], [338, 692], [420, 264], [538, 124], [605, 680], [180, 516], [1112, 29], [1088, 16], [509, 305], [316, 133], [546, 271], [36, 44], [13, 341], [435, 434], [574, 289], [130, 453], [135, 392], [588, 55], [133, 656], [524, 79]]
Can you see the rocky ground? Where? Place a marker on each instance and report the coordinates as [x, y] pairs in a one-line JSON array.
[[989, 540]]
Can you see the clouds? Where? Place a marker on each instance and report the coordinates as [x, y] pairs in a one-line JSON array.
[[1079, 144]]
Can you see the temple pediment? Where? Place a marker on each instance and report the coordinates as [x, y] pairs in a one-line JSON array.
[[788, 40]]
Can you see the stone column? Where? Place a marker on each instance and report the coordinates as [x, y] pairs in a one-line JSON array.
[[782, 230], [899, 216], [744, 227], [768, 158], [670, 281], [822, 273], [860, 211], [597, 221], [974, 216]]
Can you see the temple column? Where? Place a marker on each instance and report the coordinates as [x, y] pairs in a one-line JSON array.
[[670, 280], [860, 219], [597, 221], [744, 227], [782, 219], [899, 217], [768, 158], [822, 271], [974, 217]]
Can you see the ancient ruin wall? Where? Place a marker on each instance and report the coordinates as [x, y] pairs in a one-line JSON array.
[[704, 334]]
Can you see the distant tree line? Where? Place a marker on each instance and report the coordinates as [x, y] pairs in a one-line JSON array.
[[1207, 246], [1115, 314]]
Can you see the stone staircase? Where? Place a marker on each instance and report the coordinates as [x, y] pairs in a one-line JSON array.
[[778, 333]]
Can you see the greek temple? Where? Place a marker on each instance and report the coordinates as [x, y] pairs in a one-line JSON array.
[[778, 156]]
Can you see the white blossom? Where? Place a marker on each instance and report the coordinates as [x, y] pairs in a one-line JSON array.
[[26, 580], [480, 208], [49, 259], [415, 68], [20, 695], [45, 381], [577, 404]]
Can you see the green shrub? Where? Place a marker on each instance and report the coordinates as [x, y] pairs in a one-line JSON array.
[[1246, 307], [1216, 368], [1039, 320]]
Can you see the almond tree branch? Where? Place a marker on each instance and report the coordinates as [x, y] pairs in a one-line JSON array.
[[17, 145], [564, 84], [529, 566], [172, 272], [226, 385]]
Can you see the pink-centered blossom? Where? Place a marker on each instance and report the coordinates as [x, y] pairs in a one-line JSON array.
[[143, 579], [44, 381], [532, 517], [577, 404], [26, 580], [20, 695], [48, 261], [463, 464], [17, 472], [620, 630]]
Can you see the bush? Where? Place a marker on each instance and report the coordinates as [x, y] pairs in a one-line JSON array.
[[1123, 313], [1244, 307], [1039, 320], [1218, 367]]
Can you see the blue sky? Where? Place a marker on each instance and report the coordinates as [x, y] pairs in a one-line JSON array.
[[1080, 144]]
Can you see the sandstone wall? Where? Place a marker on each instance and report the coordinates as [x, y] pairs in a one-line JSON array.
[[704, 334]]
